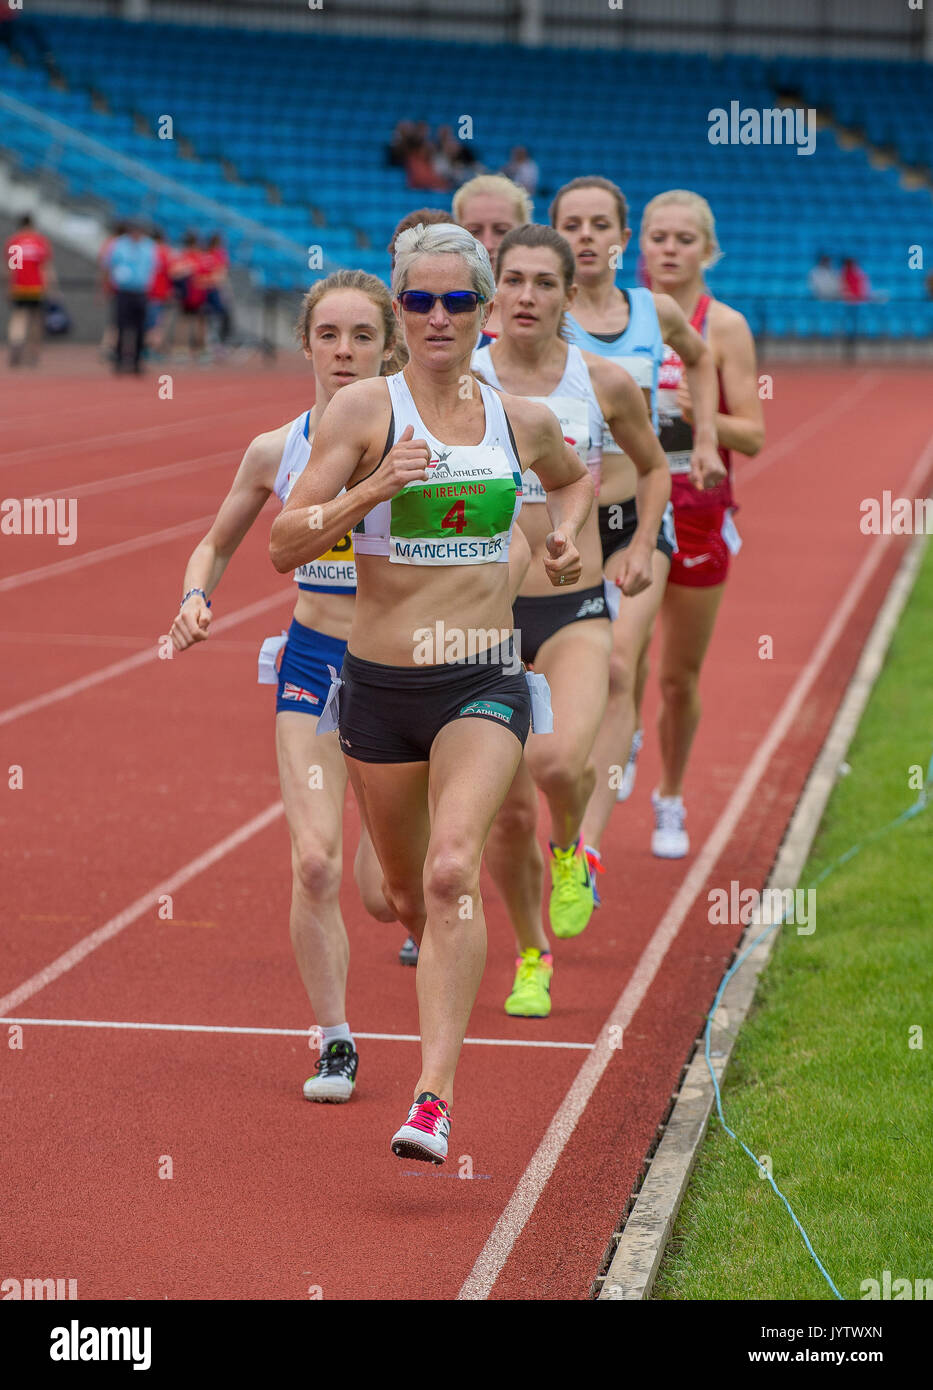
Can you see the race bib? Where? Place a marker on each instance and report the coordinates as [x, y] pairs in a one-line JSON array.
[[574, 418], [334, 570], [462, 514]]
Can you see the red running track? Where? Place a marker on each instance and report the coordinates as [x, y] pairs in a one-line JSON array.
[[133, 768]]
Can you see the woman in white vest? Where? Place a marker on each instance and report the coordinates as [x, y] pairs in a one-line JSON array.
[[348, 332], [434, 707], [567, 637]]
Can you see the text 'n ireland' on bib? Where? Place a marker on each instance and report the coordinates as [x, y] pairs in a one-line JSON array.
[[461, 515]]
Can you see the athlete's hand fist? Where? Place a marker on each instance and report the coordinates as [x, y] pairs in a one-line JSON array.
[[706, 467], [192, 623], [684, 403], [406, 462], [563, 565], [635, 573]]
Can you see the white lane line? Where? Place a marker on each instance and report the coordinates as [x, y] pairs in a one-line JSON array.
[[479, 1282], [119, 668], [279, 1032], [867, 381], [195, 424], [107, 552], [143, 475], [131, 914]]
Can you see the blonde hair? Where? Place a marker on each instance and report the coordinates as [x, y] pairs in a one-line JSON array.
[[375, 290], [497, 185], [702, 212]]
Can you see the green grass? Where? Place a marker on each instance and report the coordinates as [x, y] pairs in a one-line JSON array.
[[822, 1077]]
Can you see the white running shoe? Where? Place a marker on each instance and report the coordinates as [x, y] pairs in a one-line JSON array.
[[670, 840], [627, 785], [335, 1073], [424, 1133]]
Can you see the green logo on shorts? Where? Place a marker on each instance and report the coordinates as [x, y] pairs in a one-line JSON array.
[[490, 707]]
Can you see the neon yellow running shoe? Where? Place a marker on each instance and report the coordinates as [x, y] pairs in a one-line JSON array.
[[531, 992], [571, 904]]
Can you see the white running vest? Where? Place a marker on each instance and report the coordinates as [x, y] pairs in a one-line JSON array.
[[574, 402], [464, 513]]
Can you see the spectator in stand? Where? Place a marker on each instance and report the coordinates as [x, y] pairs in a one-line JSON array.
[[131, 263], [108, 290], [823, 280], [29, 259], [404, 138], [187, 274], [855, 283], [420, 169], [160, 294], [523, 170], [455, 160], [215, 264]]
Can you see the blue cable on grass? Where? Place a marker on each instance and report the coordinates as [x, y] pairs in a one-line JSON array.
[[919, 805]]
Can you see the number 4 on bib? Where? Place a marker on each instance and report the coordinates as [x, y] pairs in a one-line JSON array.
[[456, 517]]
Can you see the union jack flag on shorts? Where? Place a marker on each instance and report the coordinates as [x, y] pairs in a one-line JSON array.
[[297, 692]]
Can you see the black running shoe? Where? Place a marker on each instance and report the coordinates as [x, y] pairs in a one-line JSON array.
[[335, 1073]]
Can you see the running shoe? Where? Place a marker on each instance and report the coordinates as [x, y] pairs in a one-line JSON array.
[[571, 905], [335, 1073], [594, 862], [670, 840], [408, 955], [424, 1133], [627, 785], [531, 992]]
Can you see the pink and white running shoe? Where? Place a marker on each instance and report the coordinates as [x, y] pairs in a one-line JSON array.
[[424, 1133]]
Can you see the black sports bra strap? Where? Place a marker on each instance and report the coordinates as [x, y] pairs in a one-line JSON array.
[[508, 425], [388, 445]]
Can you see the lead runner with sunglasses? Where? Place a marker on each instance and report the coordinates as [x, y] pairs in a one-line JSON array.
[[433, 734]]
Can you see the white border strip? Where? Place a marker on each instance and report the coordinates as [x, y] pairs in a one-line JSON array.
[[146, 903], [489, 1264], [119, 668], [277, 1032], [635, 1264]]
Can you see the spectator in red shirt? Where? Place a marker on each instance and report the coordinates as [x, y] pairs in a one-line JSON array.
[[161, 293], [187, 275], [854, 282], [215, 263], [29, 258]]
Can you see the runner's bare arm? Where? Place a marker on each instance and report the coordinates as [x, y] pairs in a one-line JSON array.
[[566, 481], [249, 492], [626, 414], [708, 468], [744, 427]]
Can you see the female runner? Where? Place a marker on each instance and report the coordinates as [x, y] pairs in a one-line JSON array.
[[348, 332], [631, 327], [489, 206], [566, 637], [678, 242], [431, 461]]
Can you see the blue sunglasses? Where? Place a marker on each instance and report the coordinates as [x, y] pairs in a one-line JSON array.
[[456, 302]]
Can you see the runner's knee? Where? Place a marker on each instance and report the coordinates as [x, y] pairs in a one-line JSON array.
[[318, 870]]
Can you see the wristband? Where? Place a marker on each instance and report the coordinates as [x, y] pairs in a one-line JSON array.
[[194, 591]]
